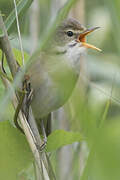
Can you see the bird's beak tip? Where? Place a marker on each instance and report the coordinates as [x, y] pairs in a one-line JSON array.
[[91, 46]]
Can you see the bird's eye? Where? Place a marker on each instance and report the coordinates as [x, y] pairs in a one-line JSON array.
[[69, 33]]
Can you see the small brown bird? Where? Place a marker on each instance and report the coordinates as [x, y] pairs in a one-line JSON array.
[[54, 74]]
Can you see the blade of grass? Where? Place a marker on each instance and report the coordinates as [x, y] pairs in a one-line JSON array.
[[105, 113], [107, 105], [110, 5], [92, 150], [22, 5], [19, 34]]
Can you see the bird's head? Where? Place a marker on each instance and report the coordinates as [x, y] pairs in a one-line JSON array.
[[71, 35]]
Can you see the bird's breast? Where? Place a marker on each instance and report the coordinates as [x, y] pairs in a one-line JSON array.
[[74, 54]]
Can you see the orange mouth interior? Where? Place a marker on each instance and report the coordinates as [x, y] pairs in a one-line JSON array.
[[82, 39]]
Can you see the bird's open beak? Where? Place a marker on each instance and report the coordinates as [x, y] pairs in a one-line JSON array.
[[82, 38]]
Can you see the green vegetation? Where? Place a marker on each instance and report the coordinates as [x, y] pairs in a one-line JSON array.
[[89, 126]]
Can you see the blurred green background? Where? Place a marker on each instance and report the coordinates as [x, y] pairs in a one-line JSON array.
[[93, 109]]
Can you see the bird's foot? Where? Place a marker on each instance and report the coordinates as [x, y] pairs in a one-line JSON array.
[[42, 146]]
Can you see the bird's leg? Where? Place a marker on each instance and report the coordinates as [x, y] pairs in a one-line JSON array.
[[42, 146], [48, 128], [24, 104], [19, 106], [28, 98], [25, 97], [45, 130], [21, 97], [25, 107]]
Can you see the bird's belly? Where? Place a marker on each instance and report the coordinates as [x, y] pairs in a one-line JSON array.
[[52, 93], [46, 100], [53, 82]]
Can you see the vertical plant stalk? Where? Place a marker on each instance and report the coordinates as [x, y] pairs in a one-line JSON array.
[[6, 47], [19, 34], [34, 25]]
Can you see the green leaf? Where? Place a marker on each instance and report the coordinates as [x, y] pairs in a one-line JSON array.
[[15, 154], [59, 138], [18, 56], [22, 5]]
